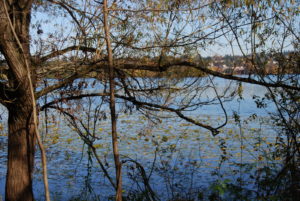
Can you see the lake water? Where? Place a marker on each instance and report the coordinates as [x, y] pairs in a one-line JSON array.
[[181, 158]]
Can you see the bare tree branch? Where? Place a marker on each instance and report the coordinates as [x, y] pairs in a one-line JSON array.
[[66, 81], [72, 120], [65, 50], [164, 67], [71, 14], [151, 66], [159, 10], [133, 100], [71, 98]]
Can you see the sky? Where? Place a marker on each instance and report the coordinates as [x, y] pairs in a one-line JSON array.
[[57, 23]]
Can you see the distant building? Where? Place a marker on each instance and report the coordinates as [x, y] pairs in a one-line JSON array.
[[215, 68], [240, 70], [271, 67]]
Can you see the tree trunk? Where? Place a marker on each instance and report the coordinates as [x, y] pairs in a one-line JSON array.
[[21, 141], [14, 46]]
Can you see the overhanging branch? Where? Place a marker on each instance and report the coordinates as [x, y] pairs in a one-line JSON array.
[[164, 67], [66, 81], [122, 64], [178, 112], [71, 98], [64, 6], [247, 80], [65, 50]]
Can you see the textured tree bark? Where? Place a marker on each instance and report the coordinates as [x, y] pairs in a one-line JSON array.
[[21, 130], [21, 140]]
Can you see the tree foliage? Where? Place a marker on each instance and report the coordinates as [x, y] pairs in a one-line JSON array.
[[67, 40]]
